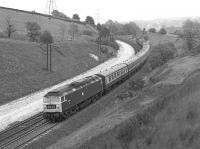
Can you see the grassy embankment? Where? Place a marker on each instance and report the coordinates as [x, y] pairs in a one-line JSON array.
[[23, 64], [166, 113]]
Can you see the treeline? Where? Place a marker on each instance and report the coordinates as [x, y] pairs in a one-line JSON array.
[[61, 15], [117, 28], [191, 35], [161, 31]]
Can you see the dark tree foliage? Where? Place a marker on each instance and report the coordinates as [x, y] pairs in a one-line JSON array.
[[104, 32], [89, 20], [122, 29], [99, 27], [46, 37], [33, 31], [152, 30], [191, 34], [162, 54], [162, 31], [76, 17], [59, 14], [130, 29], [114, 27]]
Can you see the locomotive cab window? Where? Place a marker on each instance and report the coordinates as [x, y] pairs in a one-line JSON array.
[[62, 98]]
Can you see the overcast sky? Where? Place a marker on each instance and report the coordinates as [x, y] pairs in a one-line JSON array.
[[119, 10]]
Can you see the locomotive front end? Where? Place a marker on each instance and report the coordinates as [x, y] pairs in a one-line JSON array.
[[52, 104], [52, 107]]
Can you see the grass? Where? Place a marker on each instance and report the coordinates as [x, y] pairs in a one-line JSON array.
[[23, 65], [172, 121]]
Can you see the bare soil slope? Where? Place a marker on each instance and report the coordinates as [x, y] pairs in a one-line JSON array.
[[22, 65]]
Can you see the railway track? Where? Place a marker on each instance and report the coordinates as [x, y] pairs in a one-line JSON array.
[[23, 132]]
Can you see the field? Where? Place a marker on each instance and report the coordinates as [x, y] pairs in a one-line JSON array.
[[23, 65]]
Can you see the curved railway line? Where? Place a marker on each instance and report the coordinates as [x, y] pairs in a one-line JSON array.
[[22, 133]]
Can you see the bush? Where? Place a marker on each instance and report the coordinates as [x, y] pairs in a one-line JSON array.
[[113, 44], [162, 31], [152, 30], [88, 32], [46, 37], [33, 31], [161, 54]]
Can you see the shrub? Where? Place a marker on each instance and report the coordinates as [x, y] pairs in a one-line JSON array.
[[152, 30], [112, 44], [87, 32], [161, 54], [33, 31], [46, 37], [104, 50], [162, 31]]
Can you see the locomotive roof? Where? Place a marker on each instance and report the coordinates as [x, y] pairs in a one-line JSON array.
[[72, 86]]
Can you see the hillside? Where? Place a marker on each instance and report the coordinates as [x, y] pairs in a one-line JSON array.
[[23, 65], [59, 28], [164, 115]]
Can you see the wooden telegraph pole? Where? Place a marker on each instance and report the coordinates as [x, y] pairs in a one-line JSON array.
[[47, 56], [50, 56]]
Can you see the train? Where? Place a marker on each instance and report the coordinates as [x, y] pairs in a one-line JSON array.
[[62, 102]]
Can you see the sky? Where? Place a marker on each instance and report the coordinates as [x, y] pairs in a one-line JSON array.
[[118, 10]]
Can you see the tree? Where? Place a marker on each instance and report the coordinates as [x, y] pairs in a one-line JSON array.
[[59, 14], [130, 29], [114, 27], [89, 20], [162, 31], [10, 27], [152, 30], [73, 30], [46, 37], [33, 31], [191, 33], [105, 32], [99, 27], [76, 17]]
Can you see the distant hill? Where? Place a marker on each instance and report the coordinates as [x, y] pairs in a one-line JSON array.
[[58, 27], [158, 23]]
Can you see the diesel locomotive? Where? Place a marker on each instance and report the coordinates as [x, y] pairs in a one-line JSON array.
[[62, 102]]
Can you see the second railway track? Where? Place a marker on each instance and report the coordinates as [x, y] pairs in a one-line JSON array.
[[23, 132]]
